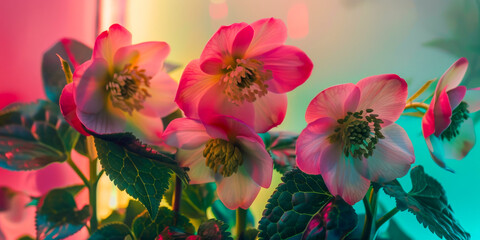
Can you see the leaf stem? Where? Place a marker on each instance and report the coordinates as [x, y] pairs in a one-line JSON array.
[[386, 217], [416, 105], [370, 204], [92, 155], [78, 171], [177, 198], [241, 223]]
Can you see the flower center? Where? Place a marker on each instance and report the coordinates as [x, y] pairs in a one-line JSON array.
[[358, 132], [222, 156], [245, 80], [459, 115], [129, 88]]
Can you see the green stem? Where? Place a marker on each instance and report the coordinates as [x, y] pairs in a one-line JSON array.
[[92, 155], [78, 172], [241, 223], [416, 105], [386, 217], [370, 204], [177, 198]]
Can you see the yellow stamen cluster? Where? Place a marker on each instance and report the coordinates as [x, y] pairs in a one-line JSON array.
[[222, 156], [129, 88], [245, 80]]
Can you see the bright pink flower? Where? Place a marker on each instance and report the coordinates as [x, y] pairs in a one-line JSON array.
[[121, 87], [244, 71], [446, 125], [351, 138], [224, 150]]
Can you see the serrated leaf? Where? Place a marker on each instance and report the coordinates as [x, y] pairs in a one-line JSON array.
[[139, 170], [293, 205], [196, 199], [214, 229], [74, 53], [428, 202], [57, 215], [112, 231], [34, 135], [145, 228], [281, 146]]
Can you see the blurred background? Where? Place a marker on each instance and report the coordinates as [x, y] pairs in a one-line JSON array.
[[347, 40]]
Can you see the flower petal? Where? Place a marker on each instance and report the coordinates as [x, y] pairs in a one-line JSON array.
[[290, 68], [242, 42], [442, 113], [456, 95], [162, 91], [148, 129], [185, 133], [391, 158], [340, 175], [311, 142], [386, 94], [89, 93], [69, 109], [238, 190], [270, 111], [453, 76], [212, 66], [230, 127], [256, 160], [333, 102], [109, 120], [193, 159], [270, 33], [437, 152], [193, 85], [220, 45], [108, 42], [472, 98], [148, 56], [461, 145]]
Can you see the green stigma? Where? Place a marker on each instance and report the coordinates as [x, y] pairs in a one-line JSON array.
[[459, 115], [358, 132], [222, 156]]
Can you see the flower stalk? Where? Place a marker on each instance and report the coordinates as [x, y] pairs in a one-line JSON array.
[[177, 198], [241, 223]]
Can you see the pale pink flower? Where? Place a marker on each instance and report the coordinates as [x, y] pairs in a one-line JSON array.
[[447, 127], [224, 150], [244, 71], [351, 138], [121, 88]]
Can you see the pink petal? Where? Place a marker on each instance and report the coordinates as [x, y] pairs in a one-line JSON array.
[[193, 159], [212, 66], [472, 98], [109, 120], [340, 175], [90, 94], [386, 94], [270, 33], [437, 152], [453, 76], [242, 41], [257, 161], [69, 109], [391, 158], [333, 102], [161, 102], [312, 142], [108, 42], [185, 133], [148, 129], [229, 127], [290, 68], [270, 111], [456, 95], [148, 56], [428, 120], [442, 113], [220, 45], [193, 85], [238, 190]]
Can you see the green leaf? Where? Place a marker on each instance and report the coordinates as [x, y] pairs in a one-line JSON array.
[[114, 217], [139, 170], [134, 209], [66, 69], [228, 216], [428, 202], [214, 229], [113, 231], [144, 228], [196, 199], [293, 205], [53, 77], [34, 135], [281, 146], [58, 217], [81, 146]]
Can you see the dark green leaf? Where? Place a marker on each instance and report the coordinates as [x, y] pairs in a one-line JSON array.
[[74, 189], [81, 146], [428, 202], [214, 229], [228, 216], [196, 199], [293, 205], [144, 228], [58, 217], [115, 216], [281, 146], [34, 135], [176, 114], [73, 52], [139, 170], [66, 69], [113, 231], [251, 234], [134, 209]]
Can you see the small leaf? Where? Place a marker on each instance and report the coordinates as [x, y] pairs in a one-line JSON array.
[[134, 209], [114, 217], [214, 229], [281, 146], [81, 146], [428, 202], [144, 228], [113, 231], [74, 53], [293, 205], [34, 135], [196, 199], [58, 217], [66, 70], [139, 170], [421, 90]]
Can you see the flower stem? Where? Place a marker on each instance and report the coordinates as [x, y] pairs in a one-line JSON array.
[[416, 105], [177, 198], [92, 155], [78, 171], [370, 204], [386, 217], [241, 223]]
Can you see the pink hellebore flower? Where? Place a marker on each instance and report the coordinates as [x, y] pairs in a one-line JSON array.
[[447, 128], [244, 71], [351, 138], [121, 87], [224, 150]]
